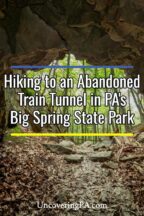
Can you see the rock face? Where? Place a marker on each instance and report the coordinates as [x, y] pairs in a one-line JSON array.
[[67, 144], [101, 145], [59, 149], [105, 32], [101, 156], [86, 144], [42, 36], [74, 158]]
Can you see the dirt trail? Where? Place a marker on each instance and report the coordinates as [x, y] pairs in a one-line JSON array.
[[32, 176], [91, 183]]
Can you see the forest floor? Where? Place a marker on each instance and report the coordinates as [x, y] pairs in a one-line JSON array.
[[31, 175]]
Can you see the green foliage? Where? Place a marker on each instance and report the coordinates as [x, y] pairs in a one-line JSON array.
[[29, 92], [16, 129], [74, 73]]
